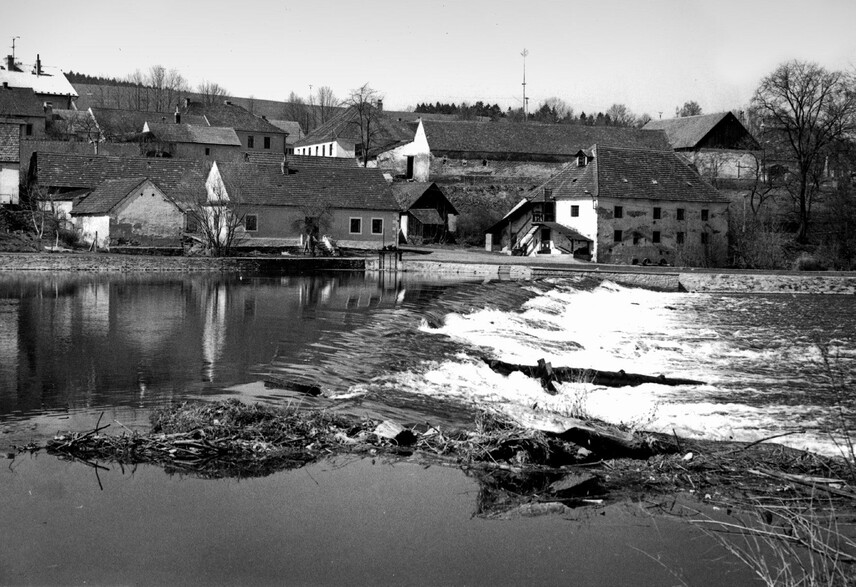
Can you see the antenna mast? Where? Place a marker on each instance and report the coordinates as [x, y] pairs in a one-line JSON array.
[[13, 47], [525, 99]]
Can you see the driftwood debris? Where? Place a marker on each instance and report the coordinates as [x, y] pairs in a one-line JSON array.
[[278, 382], [549, 374]]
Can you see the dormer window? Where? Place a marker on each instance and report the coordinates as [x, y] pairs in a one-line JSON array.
[[581, 160]]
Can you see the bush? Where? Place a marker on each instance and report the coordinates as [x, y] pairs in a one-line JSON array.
[[808, 262]]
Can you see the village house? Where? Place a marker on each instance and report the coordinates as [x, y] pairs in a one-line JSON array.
[[121, 124], [618, 205], [282, 205], [254, 132], [185, 141], [491, 151], [49, 84], [717, 144], [399, 148], [20, 106], [129, 211], [10, 148], [427, 215], [64, 179]]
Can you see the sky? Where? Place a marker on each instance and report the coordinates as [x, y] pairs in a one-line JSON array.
[[651, 55]]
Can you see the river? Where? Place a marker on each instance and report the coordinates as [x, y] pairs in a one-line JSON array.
[[409, 348]]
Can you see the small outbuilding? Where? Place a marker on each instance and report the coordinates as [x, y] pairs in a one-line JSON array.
[[427, 215]]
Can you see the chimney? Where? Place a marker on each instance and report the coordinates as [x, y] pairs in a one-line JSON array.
[[38, 64], [10, 63], [177, 115], [284, 165], [5, 85]]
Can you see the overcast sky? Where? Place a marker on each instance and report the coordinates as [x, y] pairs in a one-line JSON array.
[[651, 55]]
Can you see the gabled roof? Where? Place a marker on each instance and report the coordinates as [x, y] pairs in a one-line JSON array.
[[177, 178], [386, 133], [51, 81], [19, 102], [231, 116], [75, 120], [408, 193], [307, 185], [10, 142], [107, 196], [186, 133], [117, 122], [295, 133], [630, 174], [690, 131], [563, 140]]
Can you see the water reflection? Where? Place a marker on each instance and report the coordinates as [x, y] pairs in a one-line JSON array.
[[70, 342]]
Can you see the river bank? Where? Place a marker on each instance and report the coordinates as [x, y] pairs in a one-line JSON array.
[[462, 263]]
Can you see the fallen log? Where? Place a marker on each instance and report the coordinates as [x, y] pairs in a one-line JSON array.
[[547, 374], [278, 382]]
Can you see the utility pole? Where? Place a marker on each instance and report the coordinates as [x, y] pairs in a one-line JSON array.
[[525, 99], [13, 48]]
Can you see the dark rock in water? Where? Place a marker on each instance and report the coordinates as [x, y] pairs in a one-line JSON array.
[[435, 320], [575, 485]]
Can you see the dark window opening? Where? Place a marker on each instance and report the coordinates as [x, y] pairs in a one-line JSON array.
[[680, 213], [549, 211], [655, 238], [207, 151], [267, 142], [704, 215], [29, 130], [636, 238], [617, 236], [409, 174], [679, 238], [657, 212], [581, 160], [619, 212], [704, 238], [251, 141], [251, 222], [377, 225], [356, 225], [575, 211]]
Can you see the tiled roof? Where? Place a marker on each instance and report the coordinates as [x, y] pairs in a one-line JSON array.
[[10, 142], [106, 196], [407, 193], [186, 133], [630, 173], [19, 102], [52, 81], [307, 185], [177, 178], [506, 138], [295, 133], [30, 146], [426, 215], [687, 132], [232, 116], [300, 160], [386, 134], [116, 122]]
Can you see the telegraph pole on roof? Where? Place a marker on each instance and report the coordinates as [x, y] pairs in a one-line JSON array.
[[525, 99]]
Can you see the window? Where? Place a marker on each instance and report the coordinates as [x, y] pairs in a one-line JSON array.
[[207, 151], [377, 225], [636, 238], [549, 211], [679, 238], [680, 214], [619, 212], [617, 236], [655, 238], [581, 160], [575, 211], [267, 142], [704, 238], [316, 150], [657, 212], [356, 225], [251, 222], [704, 215], [251, 142], [29, 130]]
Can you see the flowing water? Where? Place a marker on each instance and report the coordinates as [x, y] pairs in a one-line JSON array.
[[75, 349], [411, 348]]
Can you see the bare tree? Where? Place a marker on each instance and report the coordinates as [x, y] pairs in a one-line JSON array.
[[642, 120], [174, 86], [621, 115], [211, 93], [326, 104], [216, 220], [805, 109], [363, 101], [297, 110], [690, 108], [155, 79]]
